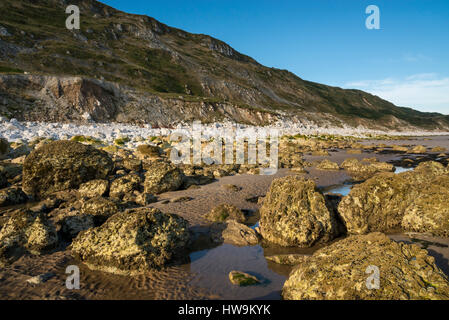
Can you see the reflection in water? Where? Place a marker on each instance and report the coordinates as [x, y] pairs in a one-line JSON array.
[[211, 269], [344, 189], [340, 189], [254, 226], [402, 169]]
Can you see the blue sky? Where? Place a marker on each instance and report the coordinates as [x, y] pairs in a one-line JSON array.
[[406, 61]]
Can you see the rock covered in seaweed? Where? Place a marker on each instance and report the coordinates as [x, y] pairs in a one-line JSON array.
[[242, 279], [380, 203], [363, 170], [26, 231], [73, 217], [328, 165], [294, 213], [233, 232], [429, 212], [62, 165], [100, 209], [94, 188], [162, 177], [341, 271], [133, 242], [225, 212], [125, 185]]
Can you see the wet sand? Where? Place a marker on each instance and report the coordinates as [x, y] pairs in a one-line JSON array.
[[206, 276]]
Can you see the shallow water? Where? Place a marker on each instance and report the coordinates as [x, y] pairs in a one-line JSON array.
[[211, 268], [343, 189], [402, 169]]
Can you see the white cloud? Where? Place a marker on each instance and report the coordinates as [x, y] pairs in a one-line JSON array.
[[425, 92], [410, 57]]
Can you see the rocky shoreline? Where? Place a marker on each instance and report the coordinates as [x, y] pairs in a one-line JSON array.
[[118, 211]]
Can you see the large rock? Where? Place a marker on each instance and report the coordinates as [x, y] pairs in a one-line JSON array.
[[133, 241], [380, 203], [26, 231], [342, 271], [162, 177], [63, 165], [364, 170], [294, 213], [429, 212]]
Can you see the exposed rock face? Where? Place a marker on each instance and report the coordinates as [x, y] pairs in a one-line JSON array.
[[183, 64], [63, 165], [225, 212], [12, 196], [429, 212], [94, 188], [133, 242], [162, 177], [379, 204], [26, 231], [294, 213], [235, 233], [341, 271]]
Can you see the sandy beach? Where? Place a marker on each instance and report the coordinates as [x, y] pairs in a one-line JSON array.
[[205, 277]]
